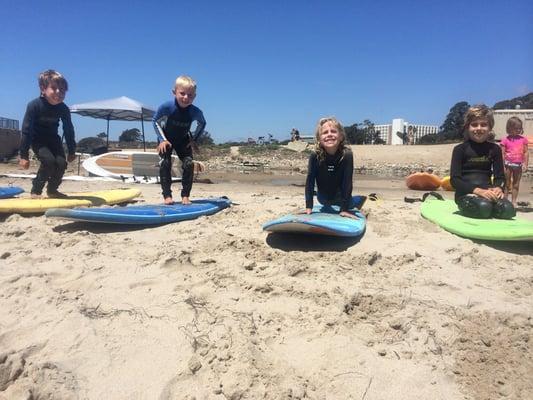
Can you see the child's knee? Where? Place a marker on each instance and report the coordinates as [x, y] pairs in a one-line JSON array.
[[165, 163], [48, 164], [45, 156], [61, 163], [503, 209], [187, 163], [475, 207]]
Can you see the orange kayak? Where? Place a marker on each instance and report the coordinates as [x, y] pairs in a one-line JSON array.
[[423, 181]]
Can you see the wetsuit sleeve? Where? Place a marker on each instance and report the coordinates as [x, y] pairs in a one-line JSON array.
[[497, 168], [198, 116], [68, 131], [28, 130], [312, 172], [347, 185], [456, 172], [160, 115]]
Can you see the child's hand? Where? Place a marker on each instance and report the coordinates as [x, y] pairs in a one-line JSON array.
[[24, 164], [488, 194], [163, 146], [497, 191], [347, 214], [71, 157], [199, 167], [308, 210], [524, 167]]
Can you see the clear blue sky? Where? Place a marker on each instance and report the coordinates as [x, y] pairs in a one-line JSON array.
[[265, 67]]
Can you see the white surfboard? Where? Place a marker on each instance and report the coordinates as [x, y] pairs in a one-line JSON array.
[[137, 165], [128, 164]]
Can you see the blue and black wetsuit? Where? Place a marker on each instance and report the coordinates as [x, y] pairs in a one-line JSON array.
[[333, 177], [473, 166], [40, 132], [173, 123]]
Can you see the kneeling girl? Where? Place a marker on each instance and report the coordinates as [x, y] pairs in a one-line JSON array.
[[331, 168]]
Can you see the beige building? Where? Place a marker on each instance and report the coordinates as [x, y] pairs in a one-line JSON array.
[[501, 117]]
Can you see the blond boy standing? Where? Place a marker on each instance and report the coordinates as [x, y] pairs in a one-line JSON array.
[[172, 124]]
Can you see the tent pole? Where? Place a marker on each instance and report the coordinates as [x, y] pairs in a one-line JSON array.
[[107, 140], [142, 127]]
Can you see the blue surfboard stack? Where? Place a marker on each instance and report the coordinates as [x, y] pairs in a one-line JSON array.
[[143, 214], [7, 192], [324, 220]]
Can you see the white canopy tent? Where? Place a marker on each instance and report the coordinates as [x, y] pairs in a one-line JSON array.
[[120, 108]]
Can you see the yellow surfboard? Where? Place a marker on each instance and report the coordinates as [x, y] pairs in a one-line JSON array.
[[26, 205], [446, 184], [422, 181]]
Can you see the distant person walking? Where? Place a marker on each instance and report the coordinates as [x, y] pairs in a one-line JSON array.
[[40, 132], [515, 156], [295, 135]]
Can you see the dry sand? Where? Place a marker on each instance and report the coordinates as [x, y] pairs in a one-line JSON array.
[[216, 309]]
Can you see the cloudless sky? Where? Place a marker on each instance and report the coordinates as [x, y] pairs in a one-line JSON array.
[[268, 66]]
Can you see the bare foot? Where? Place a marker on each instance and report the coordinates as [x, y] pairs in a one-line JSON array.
[[185, 200], [36, 196], [169, 201]]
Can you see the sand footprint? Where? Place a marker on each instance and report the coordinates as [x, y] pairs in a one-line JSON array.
[[11, 367]]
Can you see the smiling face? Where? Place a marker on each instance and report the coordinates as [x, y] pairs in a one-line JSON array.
[[330, 137], [184, 95], [54, 93], [479, 130], [53, 86]]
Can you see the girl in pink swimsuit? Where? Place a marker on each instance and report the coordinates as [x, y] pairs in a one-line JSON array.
[[515, 156]]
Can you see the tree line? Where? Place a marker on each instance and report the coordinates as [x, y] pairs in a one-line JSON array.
[[128, 138], [364, 132], [452, 128]]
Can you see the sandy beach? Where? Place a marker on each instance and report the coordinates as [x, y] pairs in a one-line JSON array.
[[215, 308]]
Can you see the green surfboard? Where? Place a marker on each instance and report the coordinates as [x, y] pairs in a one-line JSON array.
[[446, 214]]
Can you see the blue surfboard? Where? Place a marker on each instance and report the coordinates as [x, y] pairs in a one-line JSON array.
[[10, 191], [143, 214], [324, 220]]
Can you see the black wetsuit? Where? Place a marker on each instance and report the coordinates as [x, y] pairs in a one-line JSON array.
[[173, 123], [473, 165], [40, 131], [333, 178]]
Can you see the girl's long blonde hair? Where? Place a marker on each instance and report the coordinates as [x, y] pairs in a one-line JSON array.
[[321, 153]]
